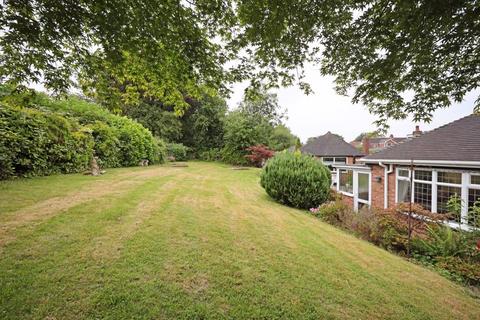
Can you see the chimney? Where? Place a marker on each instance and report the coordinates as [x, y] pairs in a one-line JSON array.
[[417, 131], [391, 135], [366, 145]]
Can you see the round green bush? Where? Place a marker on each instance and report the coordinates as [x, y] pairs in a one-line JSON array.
[[296, 180], [178, 151]]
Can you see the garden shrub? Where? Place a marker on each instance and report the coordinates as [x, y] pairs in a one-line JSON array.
[[210, 155], [296, 180], [259, 154], [33, 142], [42, 136], [177, 151]]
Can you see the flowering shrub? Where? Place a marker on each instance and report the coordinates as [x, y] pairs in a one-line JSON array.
[[259, 154]]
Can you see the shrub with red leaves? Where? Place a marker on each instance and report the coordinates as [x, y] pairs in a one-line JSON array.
[[259, 154]]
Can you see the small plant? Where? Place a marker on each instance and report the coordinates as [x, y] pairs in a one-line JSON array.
[[177, 151], [259, 154], [454, 207], [296, 180], [474, 214]]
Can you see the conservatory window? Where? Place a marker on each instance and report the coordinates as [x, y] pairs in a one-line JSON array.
[[403, 193], [475, 179], [443, 191], [450, 177], [422, 194], [403, 173], [444, 194], [423, 175], [363, 186], [473, 216], [346, 181]]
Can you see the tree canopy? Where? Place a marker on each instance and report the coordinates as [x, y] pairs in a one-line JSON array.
[[398, 58]]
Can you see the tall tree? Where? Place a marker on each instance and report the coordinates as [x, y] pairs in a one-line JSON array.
[[397, 57], [259, 102]]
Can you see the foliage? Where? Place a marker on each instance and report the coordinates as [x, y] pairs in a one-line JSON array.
[[139, 49], [262, 104], [468, 271], [333, 212], [178, 151], [34, 142], [243, 131], [474, 214], [214, 154], [203, 123], [46, 136], [282, 138], [371, 134], [296, 180], [163, 123], [454, 207], [397, 59], [259, 154]]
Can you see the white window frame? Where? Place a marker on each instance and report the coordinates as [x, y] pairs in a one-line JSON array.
[[356, 199], [334, 160], [464, 187]]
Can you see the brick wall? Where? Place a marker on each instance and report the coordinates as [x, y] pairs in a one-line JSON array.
[[347, 200], [378, 187]]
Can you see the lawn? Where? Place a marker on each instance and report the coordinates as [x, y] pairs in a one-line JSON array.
[[198, 242]]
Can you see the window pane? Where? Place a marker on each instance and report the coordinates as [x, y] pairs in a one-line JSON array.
[[403, 191], [363, 186], [327, 160], [340, 160], [474, 179], [450, 177], [474, 207], [423, 175], [422, 194], [403, 173], [444, 193], [346, 181]]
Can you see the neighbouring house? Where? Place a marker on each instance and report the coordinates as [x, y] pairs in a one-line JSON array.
[[373, 145], [445, 162], [331, 150]]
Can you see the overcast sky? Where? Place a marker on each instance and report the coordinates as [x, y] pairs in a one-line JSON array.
[[323, 111]]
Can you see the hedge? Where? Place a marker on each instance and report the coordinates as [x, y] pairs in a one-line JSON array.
[[46, 136]]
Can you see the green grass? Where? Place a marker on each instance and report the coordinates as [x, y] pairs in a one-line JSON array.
[[197, 242]]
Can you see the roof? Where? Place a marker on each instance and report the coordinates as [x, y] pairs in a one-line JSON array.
[[456, 141], [330, 145]]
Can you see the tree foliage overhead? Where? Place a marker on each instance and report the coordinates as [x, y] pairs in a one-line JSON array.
[[396, 57], [130, 43]]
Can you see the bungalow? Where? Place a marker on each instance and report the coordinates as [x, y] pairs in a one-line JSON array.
[[445, 162], [331, 149]]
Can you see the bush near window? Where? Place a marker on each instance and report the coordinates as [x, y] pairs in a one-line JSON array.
[[178, 151], [455, 253], [42, 136], [296, 180]]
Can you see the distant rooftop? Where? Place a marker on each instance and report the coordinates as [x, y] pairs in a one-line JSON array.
[[330, 145]]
